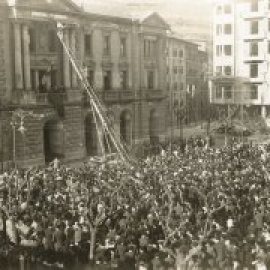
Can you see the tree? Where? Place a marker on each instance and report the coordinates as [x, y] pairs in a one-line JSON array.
[[184, 210], [104, 188]]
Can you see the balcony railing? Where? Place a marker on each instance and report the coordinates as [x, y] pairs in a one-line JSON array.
[[255, 58], [35, 98], [153, 94], [118, 96], [112, 96], [260, 14]]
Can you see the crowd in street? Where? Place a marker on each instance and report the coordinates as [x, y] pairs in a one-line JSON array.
[[190, 206]]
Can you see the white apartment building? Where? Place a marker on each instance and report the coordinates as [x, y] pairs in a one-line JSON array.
[[241, 53]]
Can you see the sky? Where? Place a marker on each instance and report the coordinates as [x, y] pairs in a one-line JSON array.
[[194, 10]]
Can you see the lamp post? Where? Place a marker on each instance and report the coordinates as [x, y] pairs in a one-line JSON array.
[[18, 124]]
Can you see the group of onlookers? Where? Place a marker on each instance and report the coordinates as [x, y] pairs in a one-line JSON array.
[[191, 206]]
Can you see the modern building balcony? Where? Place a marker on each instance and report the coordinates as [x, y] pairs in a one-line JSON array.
[[259, 79], [219, 78], [256, 58], [228, 79], [258, 36], [260, 14]]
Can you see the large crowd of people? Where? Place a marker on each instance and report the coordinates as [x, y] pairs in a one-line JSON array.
[[190, 206]]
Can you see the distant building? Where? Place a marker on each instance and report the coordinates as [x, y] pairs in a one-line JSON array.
[[241, 54], [186, 77]]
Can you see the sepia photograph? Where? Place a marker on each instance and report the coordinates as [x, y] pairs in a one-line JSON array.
[[134, 134]]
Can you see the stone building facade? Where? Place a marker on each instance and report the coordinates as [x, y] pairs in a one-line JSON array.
[[187, 68], [123, 59]]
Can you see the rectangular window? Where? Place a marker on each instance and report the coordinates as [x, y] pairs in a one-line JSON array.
[[32, 40], [175, 70], [123, 79], [254, 91], [218, 92], [33, 79], [219, 50], [254, 27], [227, 29], [227, 9], [181, 86], [254, 49], [123, 46], [268, 45], [53, 79], [146, 48], [228, 50], [52, 41], [219, 29], [106, 45], [107, 79], [254, 6], [88, 44], [175, 53], [268, 25], [228, 70], [181, 69], [90, 76], [181, 53], [150, 79], [254, 70], [149, 48], [219, 10], [42, 81], [219, 70], [227, 92]]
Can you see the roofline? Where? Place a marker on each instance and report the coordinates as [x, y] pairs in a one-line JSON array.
[[184, 41], [107, 17]]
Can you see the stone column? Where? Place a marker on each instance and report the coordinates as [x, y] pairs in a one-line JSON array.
[[26, 57], [160, 54], [115, 38], [37, 79], [73, 49], [66, 64], [97, 48], [129, 60], [18, 56]]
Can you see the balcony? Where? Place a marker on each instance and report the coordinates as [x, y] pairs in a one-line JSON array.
[[35, 98], [153, 94], [120, 96], [258, 36], [259, 58], [260, 14], [112, 96]]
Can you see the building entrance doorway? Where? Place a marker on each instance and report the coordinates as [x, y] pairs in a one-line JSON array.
[[53, 140]]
